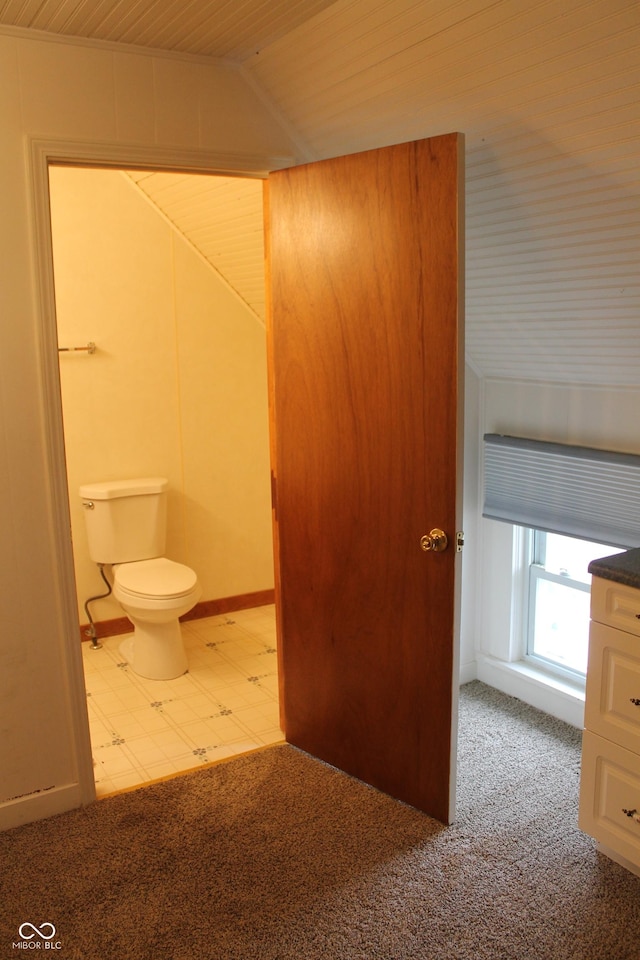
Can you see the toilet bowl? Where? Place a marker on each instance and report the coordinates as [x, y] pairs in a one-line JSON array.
[[126, 524], [154, 594]]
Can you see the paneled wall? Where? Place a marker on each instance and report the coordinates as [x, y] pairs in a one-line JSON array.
[[546, 96], [108, 97]]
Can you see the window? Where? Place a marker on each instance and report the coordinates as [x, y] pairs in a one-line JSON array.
[[558, 601], [585, 499]]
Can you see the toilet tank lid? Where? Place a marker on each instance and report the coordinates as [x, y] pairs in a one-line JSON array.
[[111, 489]]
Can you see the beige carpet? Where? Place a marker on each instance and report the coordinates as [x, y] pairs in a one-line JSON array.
[[276, 856]]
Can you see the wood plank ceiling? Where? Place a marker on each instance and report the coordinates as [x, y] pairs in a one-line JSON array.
[[546, 93], [222, 219], [213, 28]]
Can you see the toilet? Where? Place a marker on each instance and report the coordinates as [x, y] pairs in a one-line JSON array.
[[126, 527]]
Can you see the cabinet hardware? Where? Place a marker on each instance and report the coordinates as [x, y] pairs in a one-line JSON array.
[[633, 814], [635, 700]]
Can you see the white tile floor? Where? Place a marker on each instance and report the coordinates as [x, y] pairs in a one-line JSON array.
[[225, 705]]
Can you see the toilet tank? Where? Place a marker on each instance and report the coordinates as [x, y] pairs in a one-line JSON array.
[[126, 520]]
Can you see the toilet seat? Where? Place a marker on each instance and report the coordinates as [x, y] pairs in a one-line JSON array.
[[156, 578]]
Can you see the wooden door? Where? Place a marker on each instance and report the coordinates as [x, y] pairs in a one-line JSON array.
[[364, 274]]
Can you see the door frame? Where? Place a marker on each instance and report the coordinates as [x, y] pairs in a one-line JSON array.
[[42, 154]]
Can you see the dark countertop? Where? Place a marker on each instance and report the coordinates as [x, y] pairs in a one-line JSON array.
[[623, 568]]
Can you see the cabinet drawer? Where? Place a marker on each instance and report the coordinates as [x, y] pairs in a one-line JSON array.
[[609, 785], [615, 604], [612, 703]]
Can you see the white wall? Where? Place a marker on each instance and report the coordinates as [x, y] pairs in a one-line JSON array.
[[602, 417], [177, 386], [95, 95]]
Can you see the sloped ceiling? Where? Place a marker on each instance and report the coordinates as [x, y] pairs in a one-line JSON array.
[[546, 93], [222, 218]]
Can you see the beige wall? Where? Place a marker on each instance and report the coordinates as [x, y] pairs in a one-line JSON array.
[[177, 386], [103, 96]]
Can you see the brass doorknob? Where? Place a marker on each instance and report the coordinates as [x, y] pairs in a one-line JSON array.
[[437, 541]]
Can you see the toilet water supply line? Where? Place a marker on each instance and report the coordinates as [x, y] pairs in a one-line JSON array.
[[91, 629]]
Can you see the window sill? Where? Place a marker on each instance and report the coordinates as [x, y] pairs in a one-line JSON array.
[[554, 695]]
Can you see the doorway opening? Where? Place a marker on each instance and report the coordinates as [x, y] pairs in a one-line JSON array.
[[174, 386]]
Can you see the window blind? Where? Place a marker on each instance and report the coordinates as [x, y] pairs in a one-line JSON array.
[[575, 491]]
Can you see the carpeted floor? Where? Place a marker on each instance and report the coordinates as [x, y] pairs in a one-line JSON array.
[[276, 856]]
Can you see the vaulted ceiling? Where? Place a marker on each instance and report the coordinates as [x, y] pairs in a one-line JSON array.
[[222, 218], [546, 93]]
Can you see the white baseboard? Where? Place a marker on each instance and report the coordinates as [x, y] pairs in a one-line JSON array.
[[546, 693], [468, 672], [38, 806]]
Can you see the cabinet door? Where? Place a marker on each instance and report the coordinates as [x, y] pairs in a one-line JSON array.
[[612, 706], [610, 796]]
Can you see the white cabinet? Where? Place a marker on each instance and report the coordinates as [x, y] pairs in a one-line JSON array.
[[610, 778]]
